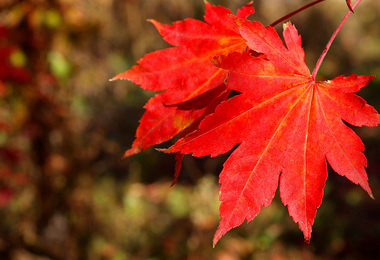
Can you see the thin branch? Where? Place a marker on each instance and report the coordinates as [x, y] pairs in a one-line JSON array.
[[295, 12], [323, 55]]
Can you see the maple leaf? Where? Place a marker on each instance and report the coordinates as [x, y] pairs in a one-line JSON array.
[[287, 125], [185, 72]]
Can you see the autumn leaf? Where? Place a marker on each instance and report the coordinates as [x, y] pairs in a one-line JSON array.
[[185, 72], [286, 124]]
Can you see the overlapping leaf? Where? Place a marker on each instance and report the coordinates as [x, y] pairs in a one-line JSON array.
[[286, 125], [185, 72]]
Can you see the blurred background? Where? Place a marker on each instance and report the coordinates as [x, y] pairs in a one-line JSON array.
[[65, 192]]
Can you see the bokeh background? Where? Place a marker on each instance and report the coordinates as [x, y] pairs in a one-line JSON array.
[[65, 192]]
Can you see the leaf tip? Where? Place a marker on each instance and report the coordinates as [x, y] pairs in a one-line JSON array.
[[156, 24], [218, 235], [113, 79], [286, 25], [246, 10], [207, 4], [118, 76], [349, 6], [178, 166], [132, 151], [164, 150], [214, 242], [125, 155]]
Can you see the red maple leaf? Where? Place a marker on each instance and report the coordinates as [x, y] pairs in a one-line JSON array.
[[287, 125], [185, 72]]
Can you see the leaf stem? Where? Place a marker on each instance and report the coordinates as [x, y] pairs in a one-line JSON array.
[[295, 12], [323, 55]]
